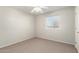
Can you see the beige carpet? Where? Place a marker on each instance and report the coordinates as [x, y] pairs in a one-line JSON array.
[[39, 46]]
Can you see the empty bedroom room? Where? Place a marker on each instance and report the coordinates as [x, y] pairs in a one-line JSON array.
[[37, 29]]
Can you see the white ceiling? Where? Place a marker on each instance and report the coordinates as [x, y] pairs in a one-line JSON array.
[[28, 9]]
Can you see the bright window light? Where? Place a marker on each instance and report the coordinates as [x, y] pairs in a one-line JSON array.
[[52, 22]]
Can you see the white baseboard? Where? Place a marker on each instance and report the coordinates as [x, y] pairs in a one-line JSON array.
[[77, 47], [57, 41], [9, 44], [32, 38]]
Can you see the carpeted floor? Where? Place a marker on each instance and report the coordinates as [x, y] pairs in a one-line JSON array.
[[39, 46]]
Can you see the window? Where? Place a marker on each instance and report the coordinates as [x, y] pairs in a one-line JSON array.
[[52, 22]]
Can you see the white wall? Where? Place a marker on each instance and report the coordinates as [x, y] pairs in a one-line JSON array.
[[15, 26], [77, 27], [66, 31]]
